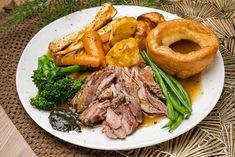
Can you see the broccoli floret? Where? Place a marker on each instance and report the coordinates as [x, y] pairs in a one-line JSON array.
[[49, 71], [54, 83], [42, 103], [56, 92]]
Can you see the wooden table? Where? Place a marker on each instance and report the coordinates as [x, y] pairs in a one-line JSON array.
[[11, 138]]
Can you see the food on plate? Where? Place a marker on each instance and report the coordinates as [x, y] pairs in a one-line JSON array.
[[142, 30], [123, 29], [116, 97], [177, 99], [93, 44], [153, 18], [183, 65], [93, 54], [105, 76], [54, 84], [124, 53], [63, 120], [103, 16], [146, 22]]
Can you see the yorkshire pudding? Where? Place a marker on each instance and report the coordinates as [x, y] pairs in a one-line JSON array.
[[183, 65]]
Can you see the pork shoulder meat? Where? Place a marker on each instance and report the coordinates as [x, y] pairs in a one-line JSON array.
[[117, 97]]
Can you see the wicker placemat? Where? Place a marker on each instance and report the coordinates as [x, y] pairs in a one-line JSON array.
[[214, 136]]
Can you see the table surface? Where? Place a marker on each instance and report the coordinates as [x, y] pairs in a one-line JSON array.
[[11, 139]]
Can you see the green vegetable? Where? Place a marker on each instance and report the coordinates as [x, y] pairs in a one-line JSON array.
[[55, 93], [177, 99], [175, 89], [160, 81], [181, 90], [177, 106], [54, 83], [49, 71], [42, 103], [170, 122], [176, 123]]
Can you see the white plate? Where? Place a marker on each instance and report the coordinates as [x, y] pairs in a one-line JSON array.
[[212, 82]]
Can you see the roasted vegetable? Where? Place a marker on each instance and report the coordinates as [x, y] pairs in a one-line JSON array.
[[93, 55], [56, 92], [123, 29], [82, 59], [142, 30], [154, 18], [92, 44], [103, 16], [104, 33], [124, 53]]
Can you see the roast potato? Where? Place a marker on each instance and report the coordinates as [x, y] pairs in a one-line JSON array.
[[142, 30], [123, 29], [124, 53], [153, 17]]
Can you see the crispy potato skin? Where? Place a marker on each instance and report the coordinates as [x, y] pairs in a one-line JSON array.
[[142, 30], [153, 18], [124, 53], [176, 63], [123, 29]]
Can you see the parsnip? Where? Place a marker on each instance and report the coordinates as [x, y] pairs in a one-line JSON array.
[[103, 16], [104, 33]]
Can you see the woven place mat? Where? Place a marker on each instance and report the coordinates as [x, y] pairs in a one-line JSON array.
[[214, 136]]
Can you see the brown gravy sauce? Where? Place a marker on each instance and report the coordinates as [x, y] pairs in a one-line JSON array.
[[184, 46]]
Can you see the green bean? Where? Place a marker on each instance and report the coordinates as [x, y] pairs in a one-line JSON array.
[[180, 93], [177, 105], [174, 89], [181, 89], [170, 122], [170, 110], [176, 123], [159, 79]]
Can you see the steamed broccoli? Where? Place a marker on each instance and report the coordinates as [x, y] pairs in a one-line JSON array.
[[54, 84], [56, 92], [49, 71]]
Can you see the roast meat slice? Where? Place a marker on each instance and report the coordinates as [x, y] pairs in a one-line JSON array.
[[147, 77], [88, 93], [94, 113], [113, 119], [128, 121]]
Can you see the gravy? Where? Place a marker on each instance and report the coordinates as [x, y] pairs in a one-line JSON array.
[[184, 46]]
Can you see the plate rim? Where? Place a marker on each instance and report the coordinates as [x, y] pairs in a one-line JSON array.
[[133, 146]]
